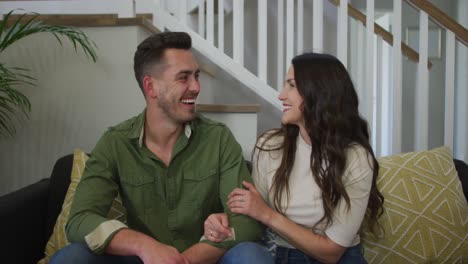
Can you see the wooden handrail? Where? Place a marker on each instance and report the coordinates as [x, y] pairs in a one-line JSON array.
[[104, 20], [91, 20], [387, 36], [442, 19], [96, 20]]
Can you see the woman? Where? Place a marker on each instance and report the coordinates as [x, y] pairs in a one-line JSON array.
[[317, 173]]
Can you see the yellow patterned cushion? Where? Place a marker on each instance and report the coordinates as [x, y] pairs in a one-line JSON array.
[[58, 238], [425, 216]]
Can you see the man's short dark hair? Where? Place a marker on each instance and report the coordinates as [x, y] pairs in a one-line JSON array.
[[151, 51]]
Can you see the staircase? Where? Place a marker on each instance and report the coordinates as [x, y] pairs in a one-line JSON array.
[[397, 125], [412, 100]]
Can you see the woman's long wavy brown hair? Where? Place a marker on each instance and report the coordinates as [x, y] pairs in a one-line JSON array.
[[333, 124]]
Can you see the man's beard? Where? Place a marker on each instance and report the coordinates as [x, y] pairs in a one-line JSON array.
[[172, 110]]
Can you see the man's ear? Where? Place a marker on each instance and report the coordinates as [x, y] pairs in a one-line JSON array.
[[150, 86]]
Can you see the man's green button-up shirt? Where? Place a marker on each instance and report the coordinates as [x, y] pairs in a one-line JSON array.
[[169, 203]]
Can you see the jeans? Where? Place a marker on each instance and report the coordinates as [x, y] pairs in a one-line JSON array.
[[79, 253], [246, 253], [284, 255], [243, 253]]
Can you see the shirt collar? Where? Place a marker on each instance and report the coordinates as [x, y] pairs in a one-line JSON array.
[[187, 131]]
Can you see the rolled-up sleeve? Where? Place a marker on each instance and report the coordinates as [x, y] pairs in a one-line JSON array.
[[93, 198], [98, 239]]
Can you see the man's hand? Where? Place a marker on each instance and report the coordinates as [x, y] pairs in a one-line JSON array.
[[203, 253], [160, 253], [127, 242], [217, 227]]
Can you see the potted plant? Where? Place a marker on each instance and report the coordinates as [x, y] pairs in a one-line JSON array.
[[12, 29]]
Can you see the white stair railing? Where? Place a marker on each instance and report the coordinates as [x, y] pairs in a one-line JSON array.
[[280, 69], [422, 98], [238, 38], [368, 101], [342, 32], [397, 105], [290, 40], [317, 39], [262, 40]]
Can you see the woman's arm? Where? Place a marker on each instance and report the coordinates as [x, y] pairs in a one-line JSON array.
[[317, 246], [347, 221], [250, 202]]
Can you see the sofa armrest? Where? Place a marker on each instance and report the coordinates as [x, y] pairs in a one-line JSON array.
[[22, 222], [462, 170]]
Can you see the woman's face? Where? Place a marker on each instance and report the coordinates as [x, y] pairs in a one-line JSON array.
[[292, 101]]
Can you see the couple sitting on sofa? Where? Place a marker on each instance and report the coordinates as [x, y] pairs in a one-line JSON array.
[[176, 172]]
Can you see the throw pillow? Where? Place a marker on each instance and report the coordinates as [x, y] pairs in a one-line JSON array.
[[425, 216], [58, 238]]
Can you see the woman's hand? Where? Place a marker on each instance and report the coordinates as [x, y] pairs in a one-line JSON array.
[[217, 227], [249, 202]]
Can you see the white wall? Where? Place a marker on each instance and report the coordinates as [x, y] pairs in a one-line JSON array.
[[76, 100], [239, 123]]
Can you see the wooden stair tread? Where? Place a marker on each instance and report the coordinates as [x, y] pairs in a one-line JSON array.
[[228, 108]]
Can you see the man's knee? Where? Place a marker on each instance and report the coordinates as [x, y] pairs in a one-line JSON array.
[[73, 253], [80, 253], [247, 252]]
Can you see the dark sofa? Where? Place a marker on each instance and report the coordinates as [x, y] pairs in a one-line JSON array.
[[28, 215]]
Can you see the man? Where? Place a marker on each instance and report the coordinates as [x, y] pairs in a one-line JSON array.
[[172, 168]]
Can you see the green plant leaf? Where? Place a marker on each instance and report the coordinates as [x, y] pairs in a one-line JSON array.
[[4, 22], [13, 101], [24, 26], [14, 33], [6, 125]]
